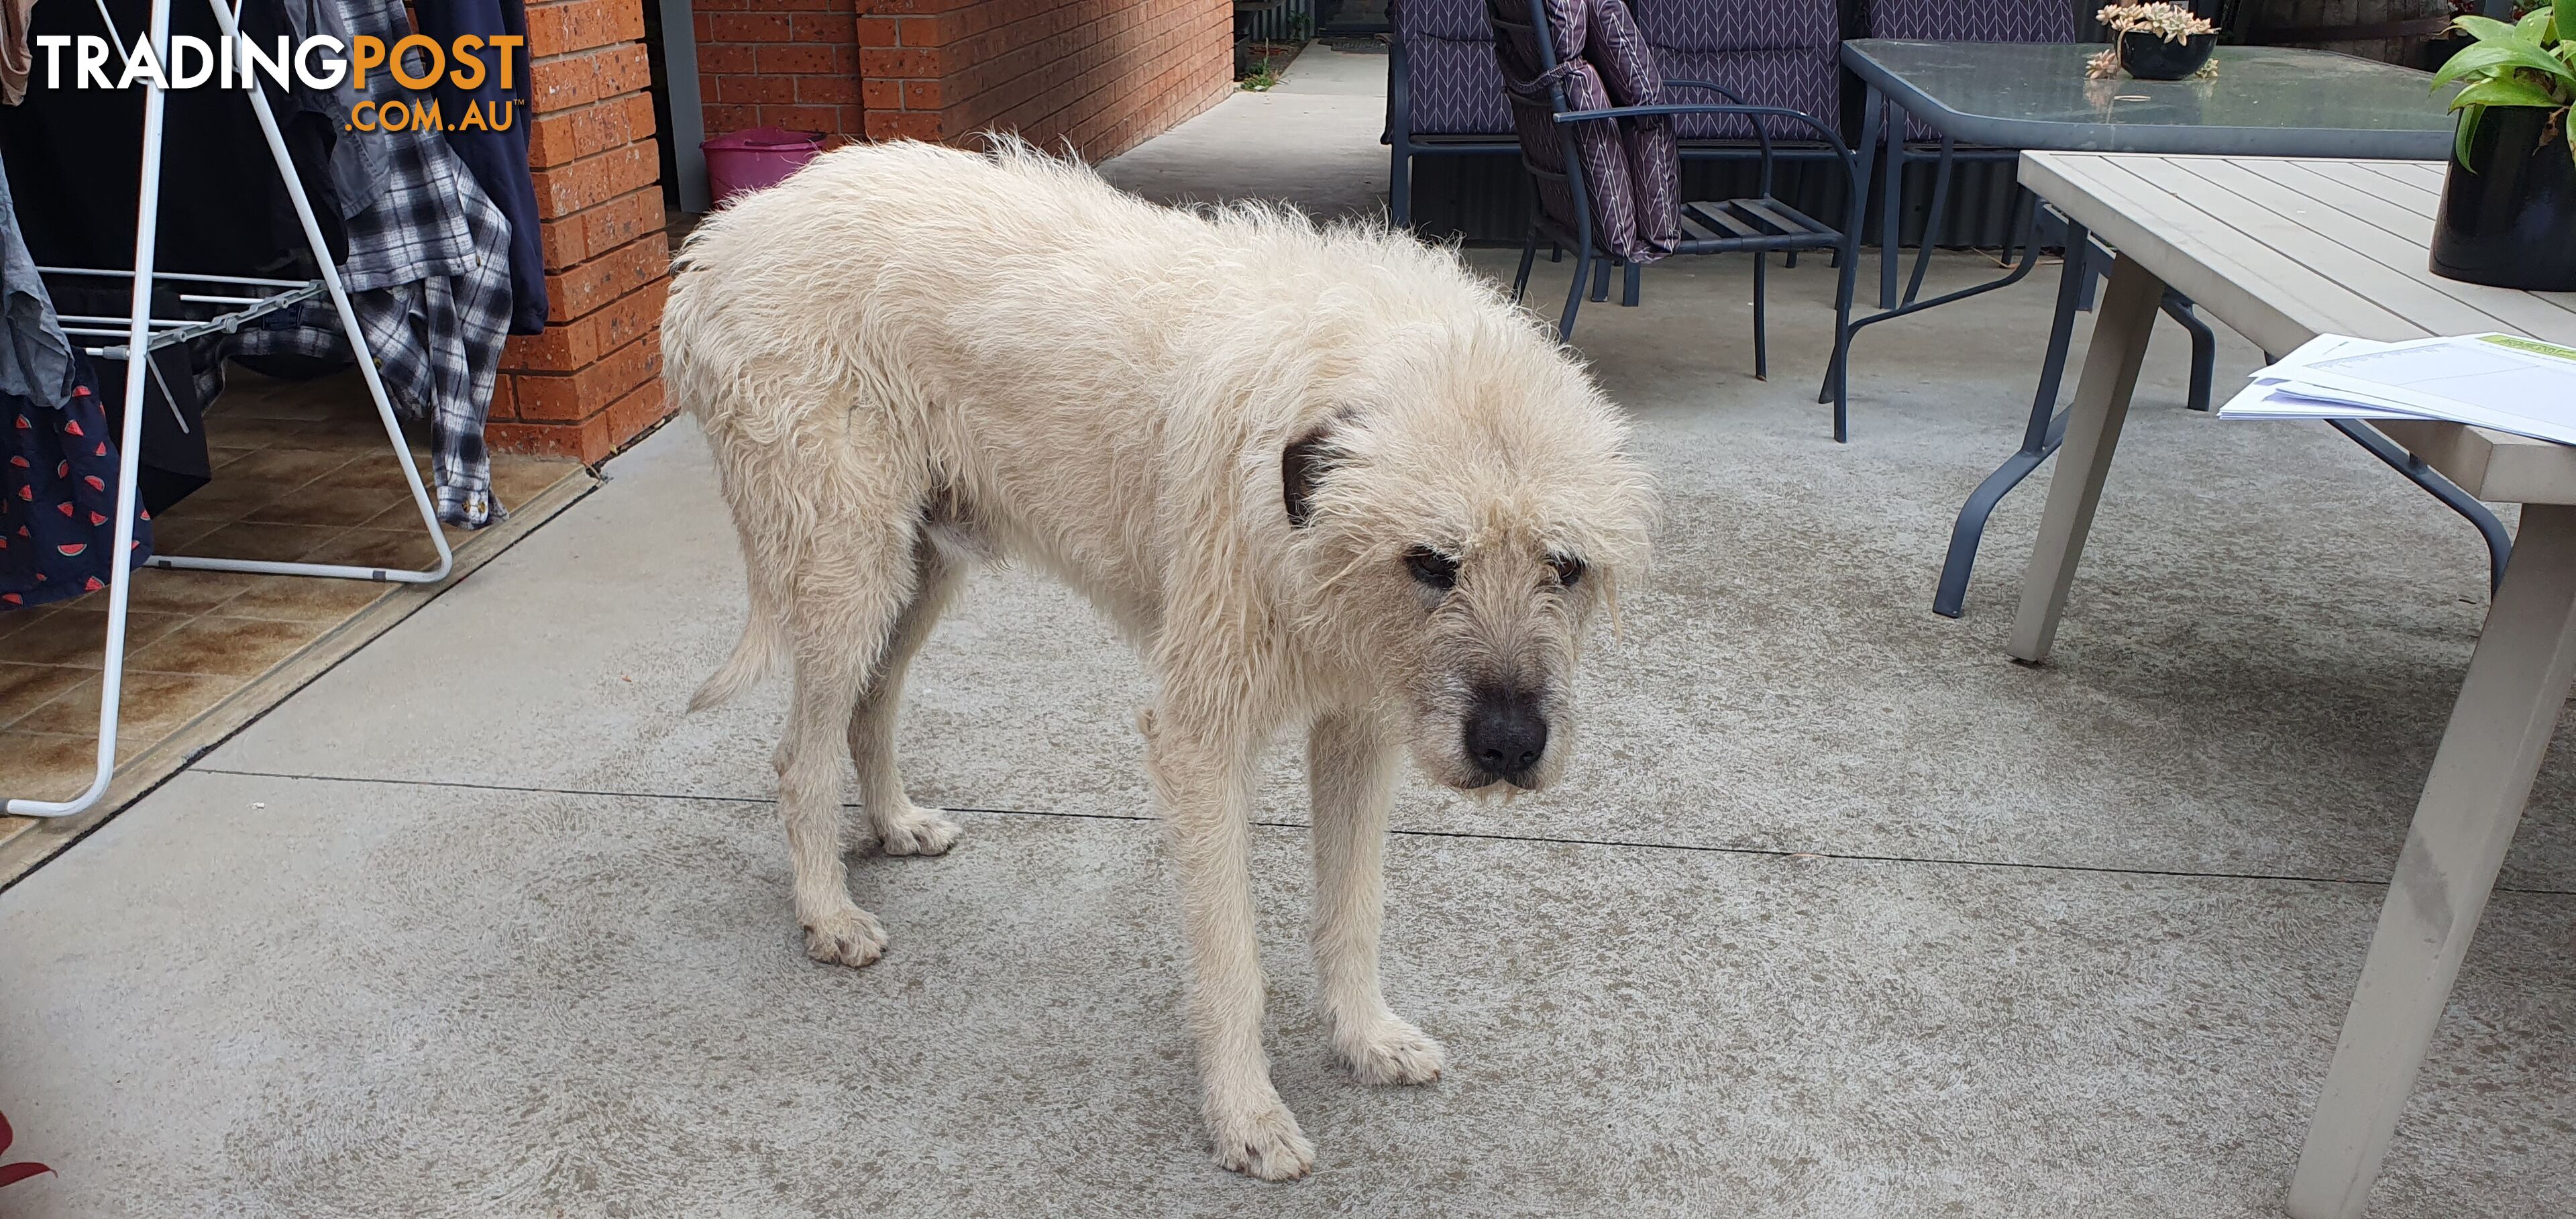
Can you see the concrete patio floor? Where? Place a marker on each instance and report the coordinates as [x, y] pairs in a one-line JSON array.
[[1838, 914]]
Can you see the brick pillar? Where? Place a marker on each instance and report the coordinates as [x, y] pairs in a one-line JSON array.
[[779, 63], [1104, 75], [592, 381]]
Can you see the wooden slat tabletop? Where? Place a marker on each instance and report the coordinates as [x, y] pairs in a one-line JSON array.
[[2286, 249]]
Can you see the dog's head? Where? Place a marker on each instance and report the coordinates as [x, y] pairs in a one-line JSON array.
[[1459, 514]]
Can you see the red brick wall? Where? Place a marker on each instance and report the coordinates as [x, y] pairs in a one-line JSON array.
[[1102, 74], [592, 381], [1105, 75], [779, 63]]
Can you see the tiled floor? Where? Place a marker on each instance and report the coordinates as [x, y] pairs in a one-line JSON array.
[[302, 472]]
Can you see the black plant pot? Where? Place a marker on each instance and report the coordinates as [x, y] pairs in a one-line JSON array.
[[2148, 56], [2512, 222]]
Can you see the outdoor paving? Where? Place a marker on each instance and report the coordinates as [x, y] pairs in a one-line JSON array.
[[1838, 914], [301, 472]]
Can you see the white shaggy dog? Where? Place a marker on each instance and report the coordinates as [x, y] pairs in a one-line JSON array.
[[1322, 478]]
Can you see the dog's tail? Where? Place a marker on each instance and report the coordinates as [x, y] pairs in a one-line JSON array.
[[753, 658]]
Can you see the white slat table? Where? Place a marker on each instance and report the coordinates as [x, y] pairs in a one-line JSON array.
[[2283, 250]]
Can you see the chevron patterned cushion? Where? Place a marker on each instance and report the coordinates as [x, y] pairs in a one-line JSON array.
[[1631, 167], [1800, 78], [1974, 20], [1772, 52], [1449, 68]]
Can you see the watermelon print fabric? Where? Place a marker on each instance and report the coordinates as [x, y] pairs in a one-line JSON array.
[[58, 473]]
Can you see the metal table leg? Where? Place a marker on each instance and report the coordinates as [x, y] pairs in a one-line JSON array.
[[1890, 218], [1866, 154], [1932, 217], [2020, 270], [2499, 542], [2046, 429], [2204, 348]]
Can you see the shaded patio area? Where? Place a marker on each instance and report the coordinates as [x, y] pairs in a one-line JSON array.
[[1838, 912]]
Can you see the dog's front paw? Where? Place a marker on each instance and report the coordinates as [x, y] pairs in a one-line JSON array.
[[1391, 1051], [845, 937], [1262, 1143], [916, 831]]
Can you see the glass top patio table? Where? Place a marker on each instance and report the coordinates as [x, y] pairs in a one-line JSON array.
[[2265, 101]]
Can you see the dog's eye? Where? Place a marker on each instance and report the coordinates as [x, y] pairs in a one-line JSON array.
[[1431, 567], [1568, 569]]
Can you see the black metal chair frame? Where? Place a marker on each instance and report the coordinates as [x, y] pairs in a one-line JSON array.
[[1757, 225], [1404, 147]]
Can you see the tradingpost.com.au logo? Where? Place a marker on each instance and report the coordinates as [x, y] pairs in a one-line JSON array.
[[321, 62]]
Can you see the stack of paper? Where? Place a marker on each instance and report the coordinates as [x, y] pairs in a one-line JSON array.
[[2498, 381]]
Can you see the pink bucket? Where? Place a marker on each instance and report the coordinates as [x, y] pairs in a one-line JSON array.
[[761, 157]]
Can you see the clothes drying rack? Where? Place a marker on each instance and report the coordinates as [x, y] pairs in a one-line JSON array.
[[239, 300]]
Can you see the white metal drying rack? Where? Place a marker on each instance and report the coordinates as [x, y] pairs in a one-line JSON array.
[[143, 334]]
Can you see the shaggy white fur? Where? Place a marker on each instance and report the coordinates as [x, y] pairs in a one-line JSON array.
[[1322, 477]]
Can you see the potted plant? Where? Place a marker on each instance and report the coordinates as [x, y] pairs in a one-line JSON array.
[[2159, 41], [2508, 213]]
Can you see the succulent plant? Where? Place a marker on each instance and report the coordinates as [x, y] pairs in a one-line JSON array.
[[2171, 22]]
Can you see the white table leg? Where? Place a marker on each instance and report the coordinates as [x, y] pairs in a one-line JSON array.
[[2093, 422], [2516, 687]]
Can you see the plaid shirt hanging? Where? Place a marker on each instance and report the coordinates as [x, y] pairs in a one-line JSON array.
[[429, 276]]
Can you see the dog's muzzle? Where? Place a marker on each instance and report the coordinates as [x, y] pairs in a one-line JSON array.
[[1506, 736]]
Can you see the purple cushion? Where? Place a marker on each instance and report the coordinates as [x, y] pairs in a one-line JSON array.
[[1449, 69], [1631, 167], [1455, 20], [1771, 52], [1740, 25], [1799, 78], [1981, 21], [1456, 88]]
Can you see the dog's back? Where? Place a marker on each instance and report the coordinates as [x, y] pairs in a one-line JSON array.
[[847, 336], [918, 302]]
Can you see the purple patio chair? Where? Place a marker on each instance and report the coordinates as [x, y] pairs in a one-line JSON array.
[[1597, 135], [1445, 96]]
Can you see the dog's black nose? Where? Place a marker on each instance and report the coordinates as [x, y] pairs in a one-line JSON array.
[[1506, 734]]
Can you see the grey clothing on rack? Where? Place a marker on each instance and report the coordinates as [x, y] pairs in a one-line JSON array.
[[357, 161], [36, 356]]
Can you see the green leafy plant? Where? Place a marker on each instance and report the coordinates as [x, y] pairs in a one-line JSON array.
[[2518, 64], [1261, 79]]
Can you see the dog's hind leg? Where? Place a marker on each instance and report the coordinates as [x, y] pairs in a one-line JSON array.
[[1350, 768], [902, 827], [841, 614]]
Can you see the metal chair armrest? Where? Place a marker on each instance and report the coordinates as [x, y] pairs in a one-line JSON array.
[[1718, 89]]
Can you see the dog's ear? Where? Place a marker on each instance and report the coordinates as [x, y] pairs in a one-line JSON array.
[[1302, 467]]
